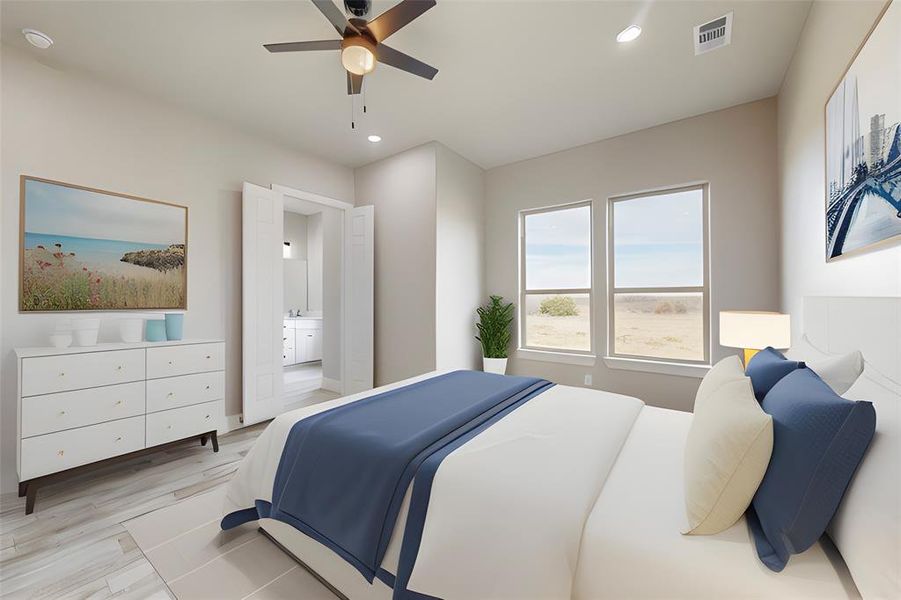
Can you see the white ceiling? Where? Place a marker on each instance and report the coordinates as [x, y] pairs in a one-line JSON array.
[[516, 80]]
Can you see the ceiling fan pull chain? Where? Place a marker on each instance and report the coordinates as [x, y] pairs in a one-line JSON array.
[[363, 94], [353, 125]]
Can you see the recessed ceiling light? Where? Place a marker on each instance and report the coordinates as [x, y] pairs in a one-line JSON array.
[[375, 139], [37, 39], [628, 34]]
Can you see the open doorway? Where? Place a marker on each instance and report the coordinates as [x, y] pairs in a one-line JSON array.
[[307, 305], [312, 289]]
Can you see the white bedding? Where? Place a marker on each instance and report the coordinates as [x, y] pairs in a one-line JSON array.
[[523, 511], [632, 547]]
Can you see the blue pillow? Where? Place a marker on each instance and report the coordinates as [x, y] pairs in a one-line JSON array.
[[766, 368], [819, 438]]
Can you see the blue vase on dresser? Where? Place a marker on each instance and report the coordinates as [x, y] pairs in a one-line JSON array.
[[155, 330], [174, 325]]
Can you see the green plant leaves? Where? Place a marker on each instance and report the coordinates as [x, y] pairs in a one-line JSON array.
[[494, 327]]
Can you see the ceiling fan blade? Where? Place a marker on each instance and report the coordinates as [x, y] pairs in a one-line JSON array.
[[396, 17], [335, 16], [304, 46], [354, 84], [399, 60]]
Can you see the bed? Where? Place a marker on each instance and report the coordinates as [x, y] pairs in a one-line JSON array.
[[576, 493]]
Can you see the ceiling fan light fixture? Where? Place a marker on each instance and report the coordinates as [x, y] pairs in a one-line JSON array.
[[357, 56], [628, 34]]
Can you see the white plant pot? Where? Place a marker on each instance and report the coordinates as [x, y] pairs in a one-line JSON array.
[[131, 330], [86, 337], [494, 365]]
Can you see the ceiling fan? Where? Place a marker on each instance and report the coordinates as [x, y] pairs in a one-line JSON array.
[[362, 40]]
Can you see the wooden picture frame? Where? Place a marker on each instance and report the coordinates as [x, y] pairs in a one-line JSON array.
[[72, 260], [862, 158]]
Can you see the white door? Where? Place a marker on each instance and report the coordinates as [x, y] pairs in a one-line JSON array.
[[359, 299], [263, 346]]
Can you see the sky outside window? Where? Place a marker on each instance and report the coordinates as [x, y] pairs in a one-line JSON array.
[[659, 240], [558, 249]]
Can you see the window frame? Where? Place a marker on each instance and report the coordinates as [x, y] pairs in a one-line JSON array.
[[703, 289], [524, 291]]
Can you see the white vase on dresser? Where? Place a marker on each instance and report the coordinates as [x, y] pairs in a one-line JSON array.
[[78, 406]]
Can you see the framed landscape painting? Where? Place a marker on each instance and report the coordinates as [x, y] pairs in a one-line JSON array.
[[86, 249], [863, 144]]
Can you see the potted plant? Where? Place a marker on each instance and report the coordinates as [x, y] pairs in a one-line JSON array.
[[494, 334]]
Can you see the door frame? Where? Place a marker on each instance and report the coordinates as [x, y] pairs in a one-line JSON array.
[[289, 192]]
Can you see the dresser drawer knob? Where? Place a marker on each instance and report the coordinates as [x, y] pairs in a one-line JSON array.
[[119, 439], [170, 362], [60, 452], [62, 373], [208, 356], [170, 394], [207, 417], [119, 368], [168, 426], [62, 413], [207, 387], [118, 402]]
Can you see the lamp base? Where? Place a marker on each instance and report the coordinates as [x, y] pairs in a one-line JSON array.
[[749, 354]]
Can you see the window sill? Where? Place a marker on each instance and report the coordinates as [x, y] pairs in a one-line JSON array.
[[554, 356], [656, 366]]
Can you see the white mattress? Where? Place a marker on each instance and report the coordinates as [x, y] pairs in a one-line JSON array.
[[632, 546]]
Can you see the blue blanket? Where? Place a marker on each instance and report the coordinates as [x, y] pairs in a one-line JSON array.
[[344, 472]]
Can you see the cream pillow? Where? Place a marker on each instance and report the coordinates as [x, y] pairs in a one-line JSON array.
[[727, 451]]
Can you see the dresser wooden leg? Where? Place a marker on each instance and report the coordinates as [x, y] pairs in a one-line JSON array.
[[215, 441], [203, 439], [23, 486], [31, 493]]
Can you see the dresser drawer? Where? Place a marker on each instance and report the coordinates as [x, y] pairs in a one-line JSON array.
[[178, 423], [67, 410], [168, 361], [63, 450], [48, 374], [173, 392]]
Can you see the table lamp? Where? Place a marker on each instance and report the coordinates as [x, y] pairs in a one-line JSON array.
[[754, 330]]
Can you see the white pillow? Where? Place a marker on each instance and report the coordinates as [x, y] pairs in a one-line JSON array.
[[866, 528], [728, 369], [839, 371], [728, 449]]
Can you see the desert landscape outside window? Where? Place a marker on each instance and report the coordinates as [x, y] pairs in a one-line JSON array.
[[555, 278], [658, 287]]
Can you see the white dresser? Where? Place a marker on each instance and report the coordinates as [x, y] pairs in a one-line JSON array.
[[78, 406]]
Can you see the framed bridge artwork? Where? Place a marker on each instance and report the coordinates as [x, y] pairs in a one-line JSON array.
[[863, 144], [87, 249]]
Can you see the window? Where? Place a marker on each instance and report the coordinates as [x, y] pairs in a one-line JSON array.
[[659, 283], [555, 279]]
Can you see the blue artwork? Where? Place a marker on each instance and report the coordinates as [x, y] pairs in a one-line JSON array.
[[863, 144]]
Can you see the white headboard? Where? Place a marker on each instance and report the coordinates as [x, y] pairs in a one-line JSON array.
[[869, 324]]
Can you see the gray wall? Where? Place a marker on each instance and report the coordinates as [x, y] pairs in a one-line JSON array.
[[460, 260], [732, 149], [75, 129], [831, 36], [402, 190]]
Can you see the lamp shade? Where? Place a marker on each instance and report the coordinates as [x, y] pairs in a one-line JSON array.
[[754, 329]]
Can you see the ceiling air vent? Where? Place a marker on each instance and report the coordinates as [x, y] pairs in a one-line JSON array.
[[713, 35]]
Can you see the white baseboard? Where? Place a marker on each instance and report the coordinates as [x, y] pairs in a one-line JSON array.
[[332, 385], [233, 422]]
